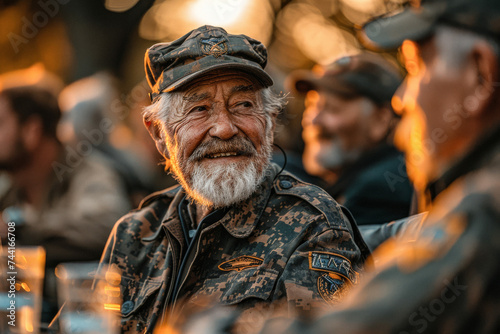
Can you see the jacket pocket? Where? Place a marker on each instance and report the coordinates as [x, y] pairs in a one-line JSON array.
[[249, 283], [138, 299]]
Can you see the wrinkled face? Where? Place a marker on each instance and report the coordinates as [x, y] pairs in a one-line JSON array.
[[219, 140], [431, 101], [12, 150], [335, 130]]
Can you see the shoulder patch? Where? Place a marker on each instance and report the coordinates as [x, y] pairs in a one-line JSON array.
[[328, 285], [333, 263], [240, 263]]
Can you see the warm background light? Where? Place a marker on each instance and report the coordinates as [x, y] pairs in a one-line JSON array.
[[169, 20], [119, 5], [217, 13], [82, 38]]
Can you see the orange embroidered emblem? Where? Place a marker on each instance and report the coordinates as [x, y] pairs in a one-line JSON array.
[[240, 263], [328, 284], [215, 46]]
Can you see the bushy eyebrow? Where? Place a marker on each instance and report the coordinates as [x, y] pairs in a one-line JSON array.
[[195, 97], [242, 88]]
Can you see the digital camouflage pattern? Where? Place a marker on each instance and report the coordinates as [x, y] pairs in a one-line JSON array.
[[170, 65], [441, 279], [289, 243]]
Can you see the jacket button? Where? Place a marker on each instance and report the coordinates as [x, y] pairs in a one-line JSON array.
[[285, 184], [127, 306]]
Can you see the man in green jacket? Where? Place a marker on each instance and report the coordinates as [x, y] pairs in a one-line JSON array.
[[238, 230]]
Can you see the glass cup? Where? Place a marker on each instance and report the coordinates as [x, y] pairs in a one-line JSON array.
[[22, 272], [90, 303]]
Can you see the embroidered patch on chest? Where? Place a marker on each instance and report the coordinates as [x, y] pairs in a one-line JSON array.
[[334, 263], [240, 263], [328, 285]]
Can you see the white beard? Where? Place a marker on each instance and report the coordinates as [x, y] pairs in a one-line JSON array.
[[332, 156], [219, 185], [224, 185]]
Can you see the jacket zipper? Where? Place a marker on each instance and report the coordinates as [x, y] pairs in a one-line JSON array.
[[172, 298], [176, 287], [174, 274]]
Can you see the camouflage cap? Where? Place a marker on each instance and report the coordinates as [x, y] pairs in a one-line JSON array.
[[171, 65], [420, 18], [363, 74]]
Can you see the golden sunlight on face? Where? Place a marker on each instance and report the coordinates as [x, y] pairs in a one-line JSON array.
[[412, 131], [220, 139], [309, 133]]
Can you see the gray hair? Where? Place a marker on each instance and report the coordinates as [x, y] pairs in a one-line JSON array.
[[168, 103]]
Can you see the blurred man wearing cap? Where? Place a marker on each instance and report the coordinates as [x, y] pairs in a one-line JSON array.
[[444, 278], [348, 129], [64, 202], [237, 230]]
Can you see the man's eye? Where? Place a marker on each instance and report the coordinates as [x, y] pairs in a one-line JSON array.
[[199, 109], [245, 104]]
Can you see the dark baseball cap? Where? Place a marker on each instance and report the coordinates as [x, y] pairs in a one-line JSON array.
[[363, 74], [419, 19], [170, 66]]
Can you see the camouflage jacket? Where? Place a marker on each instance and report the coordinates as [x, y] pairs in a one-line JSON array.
[[442, 278], [290, 241]]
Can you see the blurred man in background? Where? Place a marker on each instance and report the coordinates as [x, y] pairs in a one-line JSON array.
[[92, 114], [348, 130], [58, 199]]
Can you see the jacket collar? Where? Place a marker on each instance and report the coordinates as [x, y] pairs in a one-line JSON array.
[[241, 218], [486, 149], [169, 220]]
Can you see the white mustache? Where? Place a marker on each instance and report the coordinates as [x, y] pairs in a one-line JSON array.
[[241, 146]]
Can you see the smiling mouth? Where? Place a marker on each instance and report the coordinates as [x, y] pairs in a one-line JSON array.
[[226, 154], [224, 149], [222, 155]]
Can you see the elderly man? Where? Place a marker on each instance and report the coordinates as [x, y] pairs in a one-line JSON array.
[[237, 230], [443, 279], [348, 128]]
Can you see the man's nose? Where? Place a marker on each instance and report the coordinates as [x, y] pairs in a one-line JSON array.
[[223, 126]]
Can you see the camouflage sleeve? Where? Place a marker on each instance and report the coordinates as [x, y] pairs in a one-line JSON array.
[[107, 256], [441, 282], [108, 249], [319, 271], [118, 246]]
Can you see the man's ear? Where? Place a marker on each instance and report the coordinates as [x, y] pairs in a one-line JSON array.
[[158, 136], [381, 121], [485, 62]]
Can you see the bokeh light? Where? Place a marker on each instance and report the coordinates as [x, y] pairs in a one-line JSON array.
[[169, 20], [119, 5]]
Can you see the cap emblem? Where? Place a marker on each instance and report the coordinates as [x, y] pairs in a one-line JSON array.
[[215, 46]]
